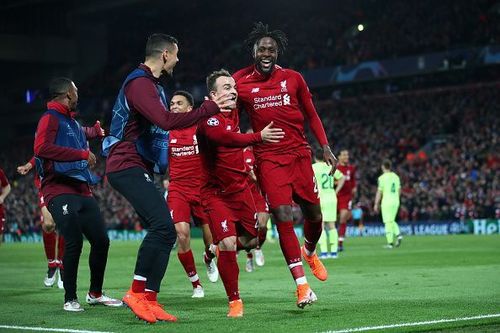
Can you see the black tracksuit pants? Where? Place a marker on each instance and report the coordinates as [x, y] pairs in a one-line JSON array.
[[75, 216], [137, 186]]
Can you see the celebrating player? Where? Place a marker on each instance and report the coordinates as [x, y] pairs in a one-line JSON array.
[[63, 161], [268, 93], [52, 239], [389, 188], [328, 197], [184, 194], [225, 193], [136, 147], [4, 192], [346, 194]]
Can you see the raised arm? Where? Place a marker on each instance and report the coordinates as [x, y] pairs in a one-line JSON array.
[[142, 94], [305, 99]]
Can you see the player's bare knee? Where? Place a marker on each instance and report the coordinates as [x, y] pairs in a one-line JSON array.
[[283, 213], [228, 244]]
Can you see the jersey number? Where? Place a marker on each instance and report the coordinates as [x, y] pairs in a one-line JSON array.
[[393, 188], [326, 182]]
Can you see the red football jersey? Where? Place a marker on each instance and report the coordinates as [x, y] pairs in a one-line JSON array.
[[221, 147], [349, 172], [283, 98], [3, 182], [184, 160]]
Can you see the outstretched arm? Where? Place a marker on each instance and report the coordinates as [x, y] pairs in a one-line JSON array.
[[305, 100]]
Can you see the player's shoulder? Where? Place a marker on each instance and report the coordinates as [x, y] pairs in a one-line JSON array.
[[243, 73], [381, 177], [288, 71], [316, 166]]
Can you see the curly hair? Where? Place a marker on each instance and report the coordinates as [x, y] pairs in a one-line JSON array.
[[260, 31]]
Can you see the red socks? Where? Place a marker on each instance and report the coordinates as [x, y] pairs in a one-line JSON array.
[[138, 286], [187, 262], [312, 233], [342, 229], [229, 271], [95, 294], [49, 244], [151, 295], [290, 248]]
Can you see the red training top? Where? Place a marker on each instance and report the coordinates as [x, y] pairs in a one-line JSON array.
[[52, 184], [146, 108]]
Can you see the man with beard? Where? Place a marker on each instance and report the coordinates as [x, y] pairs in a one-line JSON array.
[[63, 160], [138, 146], [270, 93], [225, 192]]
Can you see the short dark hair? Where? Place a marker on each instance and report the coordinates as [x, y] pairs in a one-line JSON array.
[[261, 30], [319, 154], [59, 86], [186, 94], [212, 77], [387, 164], [157, 43]]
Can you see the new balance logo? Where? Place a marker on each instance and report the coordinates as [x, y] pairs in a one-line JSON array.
[[255, 90], [65, 209]]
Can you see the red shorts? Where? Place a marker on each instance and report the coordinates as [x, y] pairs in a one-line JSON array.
[[260, 202], [344, 203], [285, 182], [183, 205], [231, 215]]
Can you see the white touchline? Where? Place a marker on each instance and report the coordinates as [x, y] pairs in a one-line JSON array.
[[43, 329], [419, 323]]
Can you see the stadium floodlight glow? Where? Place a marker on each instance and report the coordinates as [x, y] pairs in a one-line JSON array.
[[361, 27]]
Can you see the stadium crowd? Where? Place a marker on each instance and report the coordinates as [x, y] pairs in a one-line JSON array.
[[390, 29], [444, 144]]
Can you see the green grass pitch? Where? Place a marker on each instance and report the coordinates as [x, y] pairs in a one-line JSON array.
[[428, 278]]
